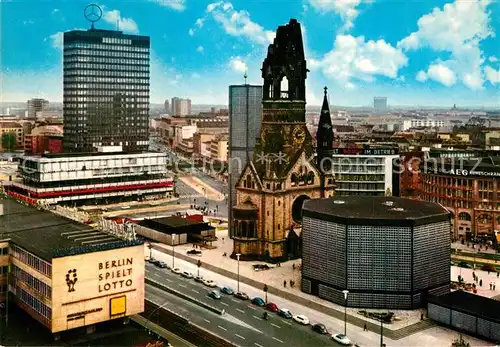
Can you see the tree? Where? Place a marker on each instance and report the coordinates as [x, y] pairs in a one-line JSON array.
[[9, 141]]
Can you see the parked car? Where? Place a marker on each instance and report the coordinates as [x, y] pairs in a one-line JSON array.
[[187, 274], [162, 264], [285, 313], [210, 283], [177, 271], [198, 279], [258, 301], [152, 261], [242, 296], [261, 267], [342, 339], [320, 328], [271, 306], [194, 252], [301, 319], [214, 294], [227, 290]]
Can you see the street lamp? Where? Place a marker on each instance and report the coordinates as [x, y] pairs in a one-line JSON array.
[[173, 252], [345, 311], [381, 333], [238, 257], [265, 291]]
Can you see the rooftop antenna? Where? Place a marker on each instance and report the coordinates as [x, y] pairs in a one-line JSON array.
[[92, 13], [245, 76]]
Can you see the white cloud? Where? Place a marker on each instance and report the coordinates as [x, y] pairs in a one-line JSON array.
[[126, 24], [442, 74], [199, 22], [178, 5], [54, 11], [236, 23], [195, 75], [191, 32], [458, 28], [56, 40], [354, 58], [493, 59], [28, 22], [492, 75], [421, 76], [237, 64], [199, 49], [346, 9]]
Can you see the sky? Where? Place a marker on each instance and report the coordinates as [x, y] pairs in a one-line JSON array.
[[416, 53]]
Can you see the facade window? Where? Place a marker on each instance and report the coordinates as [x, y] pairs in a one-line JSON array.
[[4, 270], [268, 185], [34, 303], [4, 251], [32, 261], [279, 226], [279, 203], [32, 282]]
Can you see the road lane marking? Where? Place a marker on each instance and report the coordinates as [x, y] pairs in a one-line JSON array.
[[277, 339], [182, 285], [157, 274], [286, 322], [257, 317], [195, 291], [206, 320], [222, 328], [241, 337], [274, 325], [223, 303], [255, 343], [253, 308], [234, 300], [169, 280], [240, 310]]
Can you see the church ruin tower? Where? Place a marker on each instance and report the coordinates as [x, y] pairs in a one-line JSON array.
[[283, 172], [324, 145]]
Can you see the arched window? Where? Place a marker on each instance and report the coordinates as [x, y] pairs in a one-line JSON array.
[[248, 182], [284, 87], [295, 179], [310, 177], [464, 216]]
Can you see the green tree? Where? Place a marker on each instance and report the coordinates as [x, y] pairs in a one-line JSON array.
[[9, 141]]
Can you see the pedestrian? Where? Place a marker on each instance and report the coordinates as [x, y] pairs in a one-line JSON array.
[[491, 286], [284, 283], [481, 283], [293, 266], [498, 273], [494, 286], [365, 328]]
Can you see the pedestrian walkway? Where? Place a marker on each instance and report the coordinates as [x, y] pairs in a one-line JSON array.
[[475, 259]]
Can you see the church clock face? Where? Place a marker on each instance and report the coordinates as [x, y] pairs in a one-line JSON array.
[[299, 135]]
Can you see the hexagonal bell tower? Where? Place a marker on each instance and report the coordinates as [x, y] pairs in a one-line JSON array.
[[284, 172]]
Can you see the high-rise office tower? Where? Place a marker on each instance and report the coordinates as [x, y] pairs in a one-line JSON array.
[[167, 106], [106, 90], [245, 110], [181, 107], [36, 105], [380, 104]]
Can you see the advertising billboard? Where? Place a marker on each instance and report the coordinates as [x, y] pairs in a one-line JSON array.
[[95, 287]]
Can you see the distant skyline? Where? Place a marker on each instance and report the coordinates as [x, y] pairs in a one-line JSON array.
[[430, 52]]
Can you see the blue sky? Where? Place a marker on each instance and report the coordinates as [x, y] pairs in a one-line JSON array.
[[426, 52]]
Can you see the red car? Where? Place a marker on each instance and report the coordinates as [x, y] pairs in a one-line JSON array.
[[272, 307]]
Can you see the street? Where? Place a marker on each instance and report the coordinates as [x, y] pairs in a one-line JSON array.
[[242, 323]]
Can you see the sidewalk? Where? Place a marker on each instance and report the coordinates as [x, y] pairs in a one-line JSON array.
[[203, 188]]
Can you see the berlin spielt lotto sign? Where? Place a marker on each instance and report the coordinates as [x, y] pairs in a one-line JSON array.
[[115, 274]]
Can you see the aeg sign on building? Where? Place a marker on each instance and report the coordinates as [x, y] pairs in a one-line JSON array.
[[65, 274]]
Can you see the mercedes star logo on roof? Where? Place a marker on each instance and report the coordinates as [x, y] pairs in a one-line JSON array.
[[92, 13]]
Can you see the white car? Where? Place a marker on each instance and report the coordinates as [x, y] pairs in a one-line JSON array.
[[210, 283], [177, 271], [301, 319], [342, 339], [187, 274]]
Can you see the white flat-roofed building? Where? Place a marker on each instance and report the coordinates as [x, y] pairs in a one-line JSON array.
[[55, 178], [423, 123], [366, 171]]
